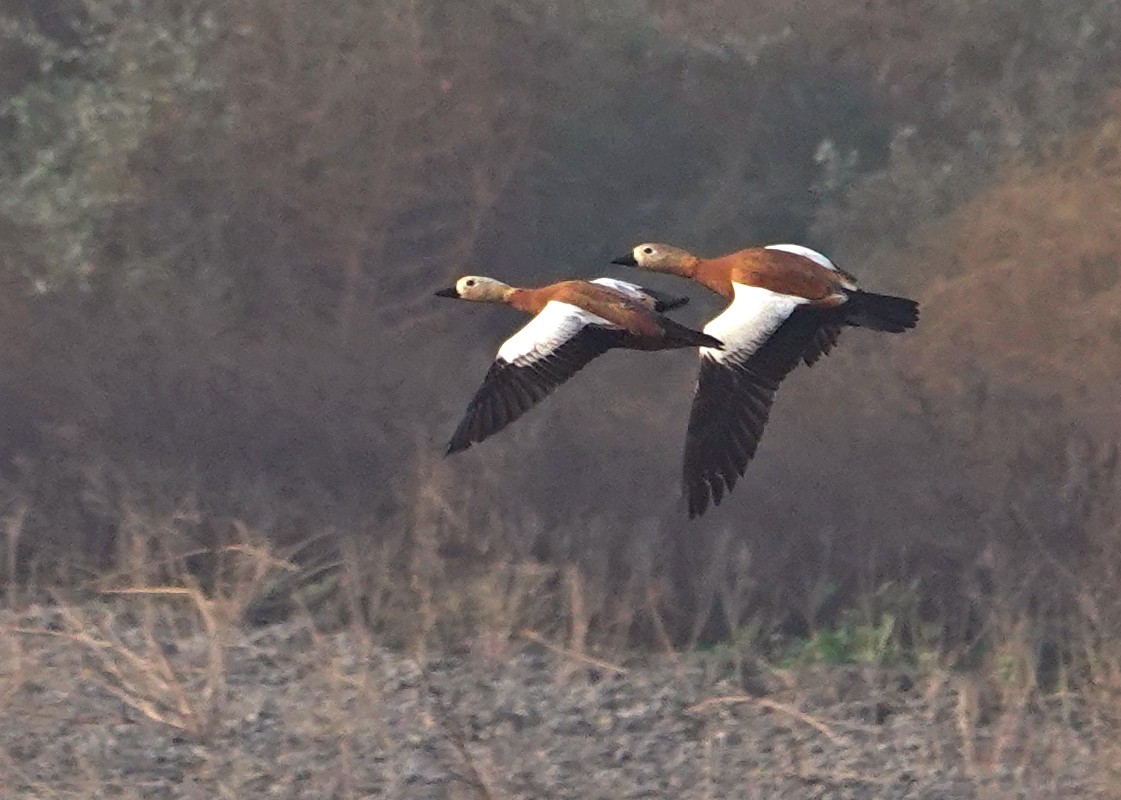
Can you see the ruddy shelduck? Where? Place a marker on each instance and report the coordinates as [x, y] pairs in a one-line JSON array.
[[574, 321], [788, 304]]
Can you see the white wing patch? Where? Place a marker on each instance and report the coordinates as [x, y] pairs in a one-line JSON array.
[[556, 324], [805, 252], [631, 290], [746, 324], [639, 294]]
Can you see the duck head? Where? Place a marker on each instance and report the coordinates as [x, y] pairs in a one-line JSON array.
[[657, 258], [477, 288]]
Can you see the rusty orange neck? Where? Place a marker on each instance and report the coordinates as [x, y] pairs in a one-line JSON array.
[[714, 276], [530, 301]]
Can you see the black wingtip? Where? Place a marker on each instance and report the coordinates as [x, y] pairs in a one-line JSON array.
[[670, 303], [694, 497], [449, 292], [627, 261], [457, 445], [663, 301]]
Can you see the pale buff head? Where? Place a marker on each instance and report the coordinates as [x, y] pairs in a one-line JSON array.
[[657, 258], [478, 289]]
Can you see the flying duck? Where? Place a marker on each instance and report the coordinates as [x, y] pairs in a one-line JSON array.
[[788, 304], [574, 321]]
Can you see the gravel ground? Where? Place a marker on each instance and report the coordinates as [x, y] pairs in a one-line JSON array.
[[284, 712]]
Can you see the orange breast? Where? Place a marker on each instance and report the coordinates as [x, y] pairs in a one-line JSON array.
[[716, 275]]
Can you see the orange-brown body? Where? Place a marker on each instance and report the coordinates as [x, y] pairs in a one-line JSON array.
[[777, 270], [646, 325], [573, 323], [787, 305]]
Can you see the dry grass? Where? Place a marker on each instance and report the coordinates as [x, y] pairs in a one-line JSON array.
[[357, 721], [143, 658], [129, 638]]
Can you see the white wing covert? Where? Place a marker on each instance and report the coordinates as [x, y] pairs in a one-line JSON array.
[[651, 298]]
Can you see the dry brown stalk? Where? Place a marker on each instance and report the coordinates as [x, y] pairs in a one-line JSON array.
[[773, 705], [537, 638], [442, 714]]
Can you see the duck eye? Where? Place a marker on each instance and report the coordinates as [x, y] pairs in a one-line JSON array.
[[648, 250]]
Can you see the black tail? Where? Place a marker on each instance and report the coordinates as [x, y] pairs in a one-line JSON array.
[[880, 312], [681, 336]]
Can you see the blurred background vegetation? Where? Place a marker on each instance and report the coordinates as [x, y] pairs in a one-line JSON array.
[[223, 223]]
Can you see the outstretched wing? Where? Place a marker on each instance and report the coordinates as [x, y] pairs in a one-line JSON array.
[[547, 351], [765, 335]]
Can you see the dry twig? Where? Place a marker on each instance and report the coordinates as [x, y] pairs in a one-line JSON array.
[[454, 734], [773, 705], [537, 638]]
